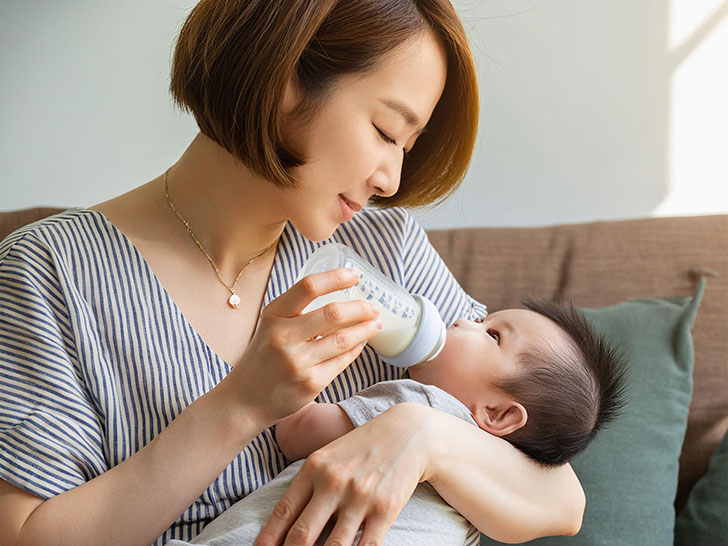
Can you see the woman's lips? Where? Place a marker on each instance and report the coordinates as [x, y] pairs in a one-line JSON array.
[[356, 207], [347, 210]]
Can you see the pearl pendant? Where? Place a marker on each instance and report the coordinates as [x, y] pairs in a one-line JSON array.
[[234, 301]]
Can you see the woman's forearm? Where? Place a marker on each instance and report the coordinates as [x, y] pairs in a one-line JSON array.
[[503, 493], [136, 501]]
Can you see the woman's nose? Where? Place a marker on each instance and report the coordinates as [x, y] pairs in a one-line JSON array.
[[385, 180]]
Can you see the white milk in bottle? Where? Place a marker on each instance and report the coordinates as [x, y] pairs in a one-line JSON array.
[[412, 330]]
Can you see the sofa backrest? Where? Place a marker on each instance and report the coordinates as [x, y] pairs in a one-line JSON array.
[[603, 263]]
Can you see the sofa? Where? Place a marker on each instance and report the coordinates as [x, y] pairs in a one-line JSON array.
[[595, 265]]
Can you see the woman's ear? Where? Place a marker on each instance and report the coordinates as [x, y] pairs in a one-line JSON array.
[[500, 420]]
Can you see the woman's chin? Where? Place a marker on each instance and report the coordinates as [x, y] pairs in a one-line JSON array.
[[315, 231]]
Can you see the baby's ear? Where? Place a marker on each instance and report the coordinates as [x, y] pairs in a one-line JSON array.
[[500, 420]]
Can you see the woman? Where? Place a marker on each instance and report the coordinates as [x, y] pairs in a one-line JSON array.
[[140, 376]]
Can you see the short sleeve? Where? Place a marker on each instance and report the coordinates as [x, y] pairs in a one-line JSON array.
[[50, 434], [426, 274], [370, 402]]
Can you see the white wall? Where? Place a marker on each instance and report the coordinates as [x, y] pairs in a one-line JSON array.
[[591, 109]]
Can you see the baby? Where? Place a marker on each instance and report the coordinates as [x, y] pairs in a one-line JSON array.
[[538, 377]]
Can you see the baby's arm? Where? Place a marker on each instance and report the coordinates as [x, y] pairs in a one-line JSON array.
[[311, 427]]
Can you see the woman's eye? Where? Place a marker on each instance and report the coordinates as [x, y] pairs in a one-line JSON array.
[[384, 137], [495, 335]]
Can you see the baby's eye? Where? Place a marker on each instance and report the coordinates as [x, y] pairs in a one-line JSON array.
[[479, 320], [495, 335]]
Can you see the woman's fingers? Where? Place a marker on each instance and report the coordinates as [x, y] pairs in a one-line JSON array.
[[344, 532], [364, 477], [284, 514], [335, 349], [334, 366], [294, 300], [280, 370], [334, 316], [375, 530], [307, 528], [333, 496]]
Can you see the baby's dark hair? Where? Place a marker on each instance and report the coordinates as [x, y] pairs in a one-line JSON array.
[[569, 395]]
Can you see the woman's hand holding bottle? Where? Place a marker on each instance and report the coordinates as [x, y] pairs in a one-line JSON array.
[[293, 357]]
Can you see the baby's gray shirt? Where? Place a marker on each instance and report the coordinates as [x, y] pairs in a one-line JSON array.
[[426, 519]]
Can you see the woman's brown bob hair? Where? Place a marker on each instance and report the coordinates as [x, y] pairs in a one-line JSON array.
[[233, 59]]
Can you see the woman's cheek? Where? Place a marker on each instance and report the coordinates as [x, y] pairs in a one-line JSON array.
[[371, 156], [358, 160]]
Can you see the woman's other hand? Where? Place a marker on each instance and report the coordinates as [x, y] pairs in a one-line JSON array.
[[293, 357], [364, 478]]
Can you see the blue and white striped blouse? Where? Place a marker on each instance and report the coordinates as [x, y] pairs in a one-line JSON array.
[[96, 359]]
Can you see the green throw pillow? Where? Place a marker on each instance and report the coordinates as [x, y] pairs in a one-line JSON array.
[[704, 520], [629, 472]]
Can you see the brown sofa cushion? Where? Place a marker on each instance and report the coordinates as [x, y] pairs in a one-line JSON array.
[[601, 264], [13, 219]]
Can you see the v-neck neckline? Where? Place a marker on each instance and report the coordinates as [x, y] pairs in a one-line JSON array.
[[267, 298]]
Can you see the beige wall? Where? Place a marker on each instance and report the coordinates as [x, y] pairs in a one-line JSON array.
[[591, 109]]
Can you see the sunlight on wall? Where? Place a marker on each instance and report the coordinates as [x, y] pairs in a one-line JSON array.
[[598, 110], [698, 139], [687, 16]]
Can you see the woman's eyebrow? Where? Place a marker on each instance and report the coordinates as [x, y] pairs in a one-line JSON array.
[[405, 111]]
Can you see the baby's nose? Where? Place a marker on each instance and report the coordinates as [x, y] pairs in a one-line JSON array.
[[467, 324]]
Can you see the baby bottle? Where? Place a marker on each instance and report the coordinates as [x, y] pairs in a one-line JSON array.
[[412, 330]]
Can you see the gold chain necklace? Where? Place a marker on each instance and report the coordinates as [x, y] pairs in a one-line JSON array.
[[234, 299]]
